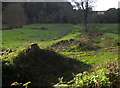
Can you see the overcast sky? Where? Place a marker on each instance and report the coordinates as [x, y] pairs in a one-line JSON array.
[[101, 5]]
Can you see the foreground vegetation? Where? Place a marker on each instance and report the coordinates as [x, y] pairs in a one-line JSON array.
[[63, 56]]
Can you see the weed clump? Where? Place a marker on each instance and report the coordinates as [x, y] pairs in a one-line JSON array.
[[101, 78]]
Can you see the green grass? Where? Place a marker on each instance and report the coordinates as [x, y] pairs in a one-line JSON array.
[[20, 39], [99, 57], [112, 35], [17, 37], [56, 32], [109, 28]]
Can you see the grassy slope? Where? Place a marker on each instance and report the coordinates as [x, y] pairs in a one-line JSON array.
[[66, 31], [55, 33], [17, 37], [106, 57]]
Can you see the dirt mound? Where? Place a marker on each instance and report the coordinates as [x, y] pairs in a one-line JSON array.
[[41, 67], [40, 28], [4, 29], [64, 44], [74, 45]]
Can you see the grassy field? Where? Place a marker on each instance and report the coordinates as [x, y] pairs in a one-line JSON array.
[[20, 36], [17, 37], [73, 52]]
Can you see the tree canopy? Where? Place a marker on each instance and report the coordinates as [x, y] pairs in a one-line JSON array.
[[14, 15], [17, 14]]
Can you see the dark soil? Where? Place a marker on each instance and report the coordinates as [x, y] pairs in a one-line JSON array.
[[40, 28], [81, 46], [41, 67]]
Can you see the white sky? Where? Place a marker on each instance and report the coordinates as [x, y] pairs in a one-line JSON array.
[[102, 5]]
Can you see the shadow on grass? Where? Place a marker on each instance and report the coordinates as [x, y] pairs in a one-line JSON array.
[[41, 67]]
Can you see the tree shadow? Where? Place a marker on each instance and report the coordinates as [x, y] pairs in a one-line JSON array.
[[41, 67]]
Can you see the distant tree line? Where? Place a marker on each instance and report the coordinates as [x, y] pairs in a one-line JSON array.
[[109, 16], [18, 14]]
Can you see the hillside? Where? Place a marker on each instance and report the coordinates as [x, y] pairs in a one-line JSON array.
[[61, 54], [28, 34]]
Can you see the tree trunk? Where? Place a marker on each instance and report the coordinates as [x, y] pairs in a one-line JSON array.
[[85, 20]]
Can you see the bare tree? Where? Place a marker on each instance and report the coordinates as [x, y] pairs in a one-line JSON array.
[[85, 6]]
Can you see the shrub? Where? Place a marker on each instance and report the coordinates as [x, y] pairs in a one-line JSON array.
[[88, 80]]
